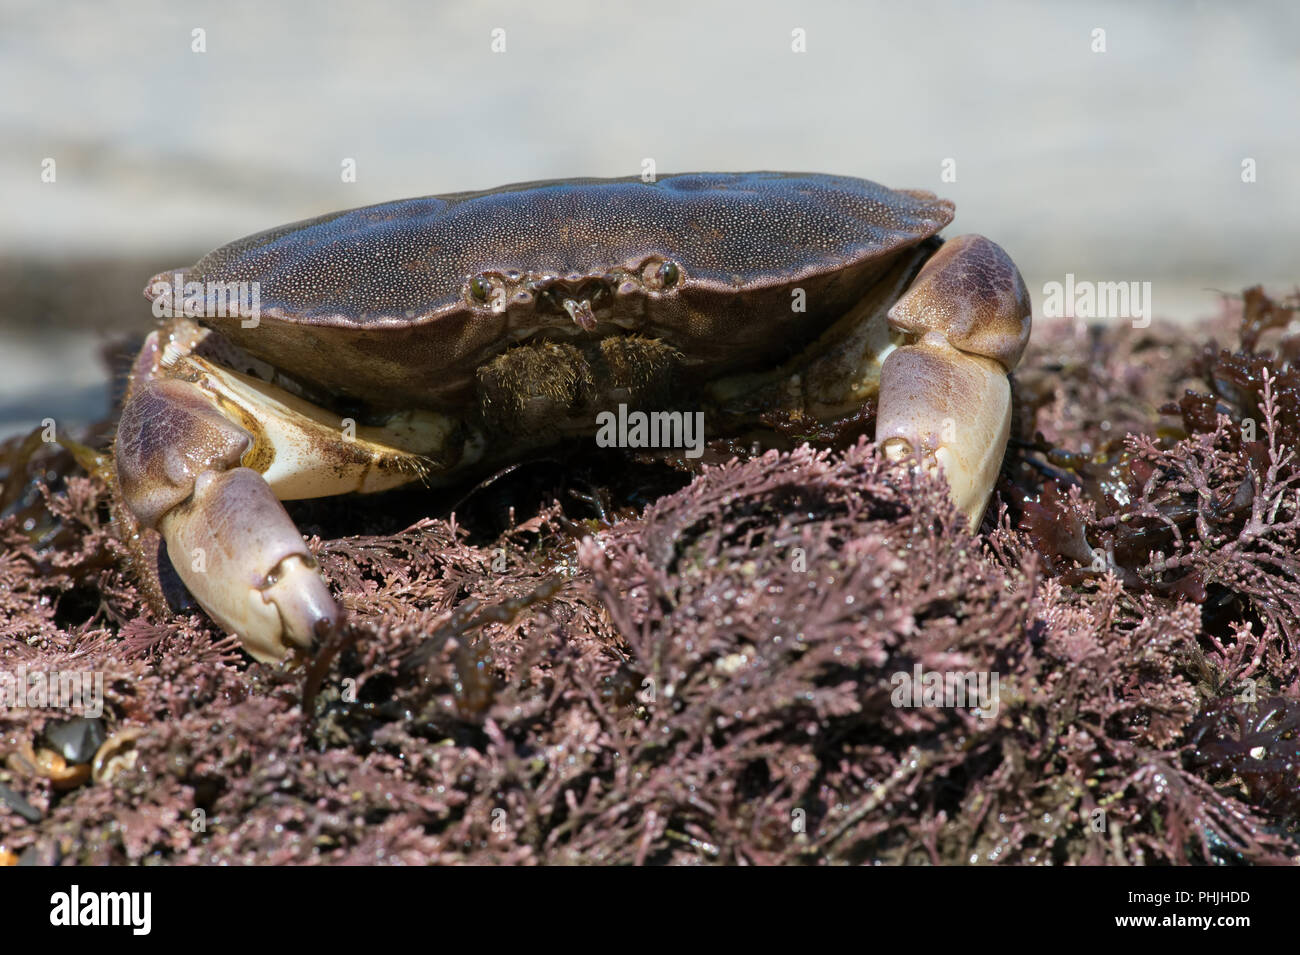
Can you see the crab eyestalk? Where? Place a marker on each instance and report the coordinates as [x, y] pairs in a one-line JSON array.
[[945, 399]]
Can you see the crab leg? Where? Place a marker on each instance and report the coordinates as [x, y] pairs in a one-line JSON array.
[[189, 431], [945, 399]]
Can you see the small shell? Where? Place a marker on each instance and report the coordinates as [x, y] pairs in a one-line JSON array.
[[47, 764], [117, 754]]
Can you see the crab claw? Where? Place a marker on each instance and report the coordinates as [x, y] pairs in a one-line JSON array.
[[229, 538], [945, 398], [247, 566]]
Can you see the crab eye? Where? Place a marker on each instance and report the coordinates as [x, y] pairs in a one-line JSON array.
[[658, 274], [478, 288]]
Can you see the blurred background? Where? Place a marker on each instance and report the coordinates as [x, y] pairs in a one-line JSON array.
[[1117, 165]]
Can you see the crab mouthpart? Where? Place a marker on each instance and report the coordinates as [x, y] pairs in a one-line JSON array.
[[581, 313]]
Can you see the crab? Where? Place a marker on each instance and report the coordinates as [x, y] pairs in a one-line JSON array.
[[429, 339]]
